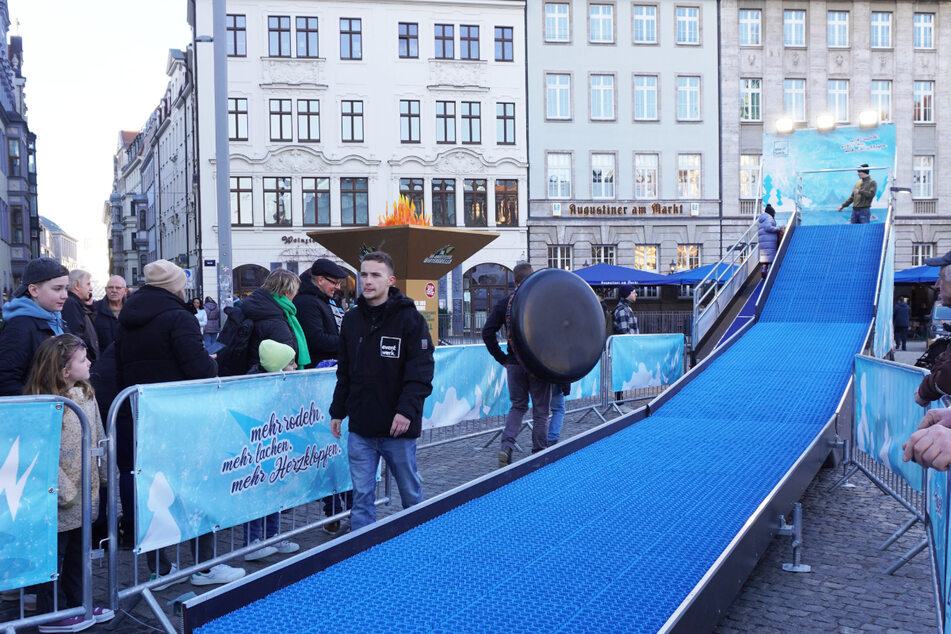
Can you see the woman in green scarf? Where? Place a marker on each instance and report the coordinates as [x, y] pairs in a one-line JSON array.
[[272, 310]]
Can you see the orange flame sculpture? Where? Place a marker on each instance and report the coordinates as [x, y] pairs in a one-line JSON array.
[[404, 213]]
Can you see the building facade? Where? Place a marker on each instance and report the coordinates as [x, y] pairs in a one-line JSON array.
[[125, 212], [57, 244], [623, 116]]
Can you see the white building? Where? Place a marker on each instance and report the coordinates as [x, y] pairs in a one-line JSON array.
[[57, 244], [124, 213], [337, 108]]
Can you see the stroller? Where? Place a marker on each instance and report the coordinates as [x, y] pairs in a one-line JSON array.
[[928, 359]]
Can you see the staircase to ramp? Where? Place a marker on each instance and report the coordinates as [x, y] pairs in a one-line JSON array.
[[618, 535]]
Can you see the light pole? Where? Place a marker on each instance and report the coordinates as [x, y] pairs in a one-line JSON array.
[[222, 151]]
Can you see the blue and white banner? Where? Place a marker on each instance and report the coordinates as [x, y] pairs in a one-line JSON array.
[[639, 361], [938, 524], [886, 413], [210, 456], [884, 326], [29, 470]]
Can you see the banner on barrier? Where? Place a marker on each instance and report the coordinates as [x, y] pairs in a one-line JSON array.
[[639, 361], [883, 423], [938, 524], [884, 326], [29, 470], [211, 456]]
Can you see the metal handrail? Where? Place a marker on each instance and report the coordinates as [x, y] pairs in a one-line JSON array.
[[798, 190]]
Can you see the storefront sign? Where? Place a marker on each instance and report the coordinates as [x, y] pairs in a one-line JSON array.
[[655, 209], [297, 240]]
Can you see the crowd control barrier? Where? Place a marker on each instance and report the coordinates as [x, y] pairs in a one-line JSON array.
[[30, 428]]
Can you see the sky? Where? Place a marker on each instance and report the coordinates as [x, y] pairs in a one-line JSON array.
[[97, 68]]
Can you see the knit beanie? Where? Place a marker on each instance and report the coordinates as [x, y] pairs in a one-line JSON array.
[[275, 355], [624, 290], [164, 274]]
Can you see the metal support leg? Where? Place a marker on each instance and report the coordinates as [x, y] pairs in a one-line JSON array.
[[904, 559], [844, 480], [795, 531], [158, 611], [901, 531]]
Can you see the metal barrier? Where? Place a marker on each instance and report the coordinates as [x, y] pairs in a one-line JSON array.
[[86, 610]]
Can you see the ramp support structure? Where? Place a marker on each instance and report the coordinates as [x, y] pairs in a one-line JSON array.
[[794, 530]]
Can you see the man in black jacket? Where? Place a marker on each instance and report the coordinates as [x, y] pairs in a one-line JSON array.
[[106, 311], [78, 315], [318, 314], [384, 374]]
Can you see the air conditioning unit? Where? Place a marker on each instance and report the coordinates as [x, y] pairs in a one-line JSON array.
[[556, 209]]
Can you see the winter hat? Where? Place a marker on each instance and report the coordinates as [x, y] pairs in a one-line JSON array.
[[624, 290], [863, 168], [275, 355], [164, 274], [327, 268], [39, 270], [769, 209]]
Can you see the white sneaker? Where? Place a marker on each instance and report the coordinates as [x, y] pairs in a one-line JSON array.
[[218, 574], [287, 547], [171, 571], [260, 553]]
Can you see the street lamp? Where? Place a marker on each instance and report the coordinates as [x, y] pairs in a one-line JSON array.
[[673, 267]]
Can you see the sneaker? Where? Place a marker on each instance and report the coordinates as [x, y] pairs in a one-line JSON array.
[[72, 624], [287, 547], [505, 457], [260, 553], [218, 574], [172, 570], [332, 528], [101, 615]]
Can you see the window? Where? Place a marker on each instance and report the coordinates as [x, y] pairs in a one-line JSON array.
[[604, 254], [444, 41], [505, 123], [559, 257], [559, 175], [688, 176], [602, 97], [468, 42], [409, 121], [237, 119], [558, 96], [409, 40], [474, 201], [308, 120], [602, 176], [751, 100], [506, 202], [924, 102], [351, 121], [277, 201], [645, 176], [794, 99], [688, 25], [556, 22], [750, 27], [412, 189], [837, 29], [471, 122], [279, 36], [924, 30], [794, 28], [645, 98], [601, 23], [307, 37], [923, 181], [241, 200], [444, 202], [749, 176], [688, 98], [921, 251], [839, 99], [645, 24], [445, 122], [882, 99], [881, 35], [237, 30], [503, 44], [16, 224], [281, 128], [688, 256], [351, 38], [353, 201], [316, 200], [645, 257]]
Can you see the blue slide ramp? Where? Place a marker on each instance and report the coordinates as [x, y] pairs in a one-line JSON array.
[[625, 533]]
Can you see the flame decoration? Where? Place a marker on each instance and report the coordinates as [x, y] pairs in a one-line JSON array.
[[404, 213]]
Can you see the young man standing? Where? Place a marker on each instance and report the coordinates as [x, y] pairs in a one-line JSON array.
[[384, 374], [863, 194]]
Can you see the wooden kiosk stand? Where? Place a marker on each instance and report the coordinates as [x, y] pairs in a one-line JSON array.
[[421, 256]]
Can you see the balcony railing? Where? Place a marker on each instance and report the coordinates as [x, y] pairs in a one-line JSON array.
[[926, 207], [749, 207]]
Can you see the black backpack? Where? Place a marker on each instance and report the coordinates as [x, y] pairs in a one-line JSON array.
[[235, 335]]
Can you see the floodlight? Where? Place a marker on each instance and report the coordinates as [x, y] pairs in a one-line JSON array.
[[868, 119], [785, 125], [825, 122]]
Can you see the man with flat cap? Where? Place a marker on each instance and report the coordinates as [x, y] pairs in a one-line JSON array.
[[938, 383], [862, 196]]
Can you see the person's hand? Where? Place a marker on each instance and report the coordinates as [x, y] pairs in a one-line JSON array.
[[335, 427], [919, 399], [841, 207], [936, 417], [400, 425], [931, 447]]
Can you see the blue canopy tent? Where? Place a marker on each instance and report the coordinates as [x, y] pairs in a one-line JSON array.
[[695, 276], [610, 275], [918, 274]]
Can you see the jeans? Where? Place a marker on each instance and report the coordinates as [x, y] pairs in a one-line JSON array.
[[860, 216], [70, 550], [521, 386], [901, 337], [210, 339], [337, 502], [364, 454], [269, 524], [557, 414]]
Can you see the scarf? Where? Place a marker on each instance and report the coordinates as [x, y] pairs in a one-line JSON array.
[[290, 312], [26, 307]]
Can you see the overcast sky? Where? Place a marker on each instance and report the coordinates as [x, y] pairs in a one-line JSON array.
[[92, 69]]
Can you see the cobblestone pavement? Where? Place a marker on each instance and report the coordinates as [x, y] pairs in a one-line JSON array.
[[845, 592]]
